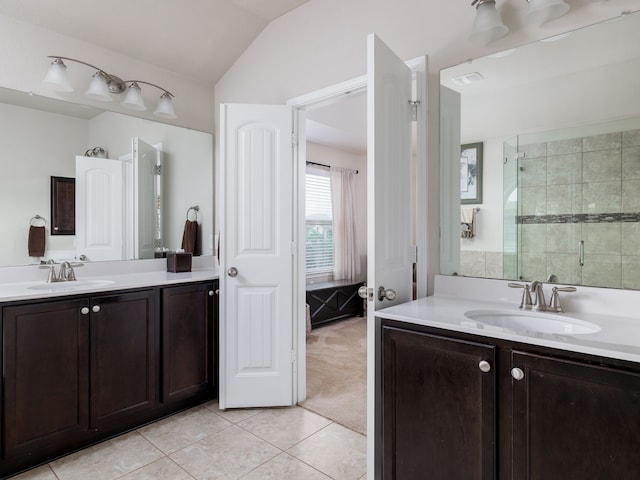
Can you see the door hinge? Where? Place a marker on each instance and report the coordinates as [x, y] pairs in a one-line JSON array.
[[413, 254], [294, 139], [158, 170], [414, 109]]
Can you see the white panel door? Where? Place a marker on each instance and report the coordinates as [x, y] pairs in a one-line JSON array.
[[389, 212], [389, 208], [99, 208], [146, 222], [256, 256]]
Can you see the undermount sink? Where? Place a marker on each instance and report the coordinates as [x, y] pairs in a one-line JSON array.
[[532, 322], [72, 285]]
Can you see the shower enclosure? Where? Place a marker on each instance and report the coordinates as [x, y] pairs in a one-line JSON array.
[[572, 205]]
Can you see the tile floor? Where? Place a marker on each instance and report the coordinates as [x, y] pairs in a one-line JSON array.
[[205, 443]]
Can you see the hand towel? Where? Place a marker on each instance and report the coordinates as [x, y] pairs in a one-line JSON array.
[[467, 222], [36, 241], [190, 237]]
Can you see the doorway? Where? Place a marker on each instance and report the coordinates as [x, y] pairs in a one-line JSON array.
[[336, 136]]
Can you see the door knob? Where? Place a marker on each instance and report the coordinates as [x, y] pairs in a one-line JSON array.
[[387, 293], [362, 292], [517, 373], [232, 272]]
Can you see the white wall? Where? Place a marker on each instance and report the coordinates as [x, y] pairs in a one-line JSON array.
[[23, 56], [35, 146], [340, 158], [323, 42]]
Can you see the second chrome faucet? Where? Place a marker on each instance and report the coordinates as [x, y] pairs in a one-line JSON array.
[[539, 303]]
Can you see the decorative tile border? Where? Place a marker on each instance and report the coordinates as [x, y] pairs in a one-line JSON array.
[[578, 218]]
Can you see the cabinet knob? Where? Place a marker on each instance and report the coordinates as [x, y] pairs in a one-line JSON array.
[[217, 291], [517, 373], [484, 366], [84, 310], [95, 308], [211, 293]]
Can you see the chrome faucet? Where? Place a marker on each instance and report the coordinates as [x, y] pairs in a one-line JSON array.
[[539, 303], [67, 274]]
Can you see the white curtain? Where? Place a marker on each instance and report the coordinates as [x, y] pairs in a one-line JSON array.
[[346, 254]]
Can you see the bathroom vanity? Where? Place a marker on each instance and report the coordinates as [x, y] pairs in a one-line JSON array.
[[82, 363], [464, 399]]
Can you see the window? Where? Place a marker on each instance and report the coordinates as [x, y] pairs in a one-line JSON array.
[[319, 222]]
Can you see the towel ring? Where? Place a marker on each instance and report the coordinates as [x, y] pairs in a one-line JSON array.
[[38, 218], [195, 209]]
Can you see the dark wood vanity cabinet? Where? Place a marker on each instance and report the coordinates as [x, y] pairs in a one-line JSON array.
[[124, 356], [77, 365], [188, 351], [46, 381], [438, 407], [558, 416], [574, 420], [83, 368]]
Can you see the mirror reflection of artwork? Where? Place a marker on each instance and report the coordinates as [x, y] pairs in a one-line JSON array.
[[471, 173]]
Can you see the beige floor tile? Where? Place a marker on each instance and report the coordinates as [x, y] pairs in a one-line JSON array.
[[108, 460], [225, 455], [234, 415], [163, 469], [40, 473], [285, 467], [178, 431], [284, 427], [335, 451]]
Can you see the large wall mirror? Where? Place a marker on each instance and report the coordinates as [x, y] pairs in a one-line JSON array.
[[43, 138], [559, 122]]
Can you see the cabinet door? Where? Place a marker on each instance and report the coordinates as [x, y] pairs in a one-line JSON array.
[[123, 356], [574, 421], [187, 338], [45, 375], [438, 408]]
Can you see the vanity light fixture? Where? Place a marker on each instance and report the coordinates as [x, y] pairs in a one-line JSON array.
[[487, 25], [104, 84], [543, 11]]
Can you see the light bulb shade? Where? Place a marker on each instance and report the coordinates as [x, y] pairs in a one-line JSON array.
[[542, 11], [487, 25], [165, 107], [98, 88], [133, 98], [57, 77]]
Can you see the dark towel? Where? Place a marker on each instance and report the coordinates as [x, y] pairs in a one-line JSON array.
[[36, 241], [190, 237]]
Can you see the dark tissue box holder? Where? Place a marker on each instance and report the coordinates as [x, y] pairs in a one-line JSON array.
[[178, 262]]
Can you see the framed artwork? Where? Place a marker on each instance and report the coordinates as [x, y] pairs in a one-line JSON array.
[[63, 206], [471, 173]]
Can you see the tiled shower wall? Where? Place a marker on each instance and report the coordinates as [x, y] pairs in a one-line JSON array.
[[585, 189]]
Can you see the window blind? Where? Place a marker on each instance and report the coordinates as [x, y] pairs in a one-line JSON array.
[[319, 222]]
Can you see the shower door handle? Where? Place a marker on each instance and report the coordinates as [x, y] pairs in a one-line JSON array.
[[581, 253]]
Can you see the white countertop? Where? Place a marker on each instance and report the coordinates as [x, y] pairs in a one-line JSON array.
[[619, 336], [31, 290]]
